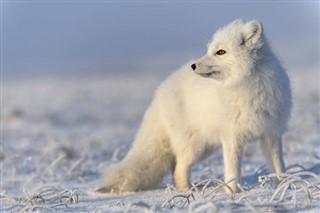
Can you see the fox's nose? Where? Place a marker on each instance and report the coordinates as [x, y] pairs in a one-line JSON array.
[[193, 66]]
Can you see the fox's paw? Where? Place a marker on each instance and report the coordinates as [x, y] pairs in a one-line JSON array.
[[182, 188], [113, 189], [117, 187]]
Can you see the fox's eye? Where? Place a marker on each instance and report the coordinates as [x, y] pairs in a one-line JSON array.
[[221, 52]]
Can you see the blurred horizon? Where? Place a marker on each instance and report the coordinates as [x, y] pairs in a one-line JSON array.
[[106, 37]]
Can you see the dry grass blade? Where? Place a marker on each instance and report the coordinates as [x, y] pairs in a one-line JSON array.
[[49, 198], [208, 190], [178, 201], [220, 186], [7, 198], [294, 181]]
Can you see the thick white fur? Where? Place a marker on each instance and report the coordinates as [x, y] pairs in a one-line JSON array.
[[228, 100]]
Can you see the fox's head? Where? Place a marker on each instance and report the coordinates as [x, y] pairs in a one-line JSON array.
[[233, 53]]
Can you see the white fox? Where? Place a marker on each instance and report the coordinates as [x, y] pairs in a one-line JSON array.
[[237, 93]]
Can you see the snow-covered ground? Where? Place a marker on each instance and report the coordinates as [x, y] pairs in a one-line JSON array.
[[59, 135]]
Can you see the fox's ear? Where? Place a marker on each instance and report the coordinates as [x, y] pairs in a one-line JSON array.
[[239, 21], [252, 32]]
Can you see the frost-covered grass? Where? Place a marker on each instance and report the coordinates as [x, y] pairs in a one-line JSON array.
[[48, 198], [295, 192], [60, 135]]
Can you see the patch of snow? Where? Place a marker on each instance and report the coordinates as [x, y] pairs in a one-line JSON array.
[[59, 136]]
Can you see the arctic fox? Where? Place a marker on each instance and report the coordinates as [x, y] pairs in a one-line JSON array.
[[237, 93]]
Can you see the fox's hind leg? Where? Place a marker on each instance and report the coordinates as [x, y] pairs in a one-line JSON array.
[[186, 151], [181, 173], [272, 150]]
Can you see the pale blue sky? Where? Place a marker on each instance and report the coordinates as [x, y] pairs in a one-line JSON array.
[[89, 37]]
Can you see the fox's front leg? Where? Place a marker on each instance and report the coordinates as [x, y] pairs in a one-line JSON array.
[[232, 154]]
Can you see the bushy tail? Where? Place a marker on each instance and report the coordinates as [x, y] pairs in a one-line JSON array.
[[145, 164]]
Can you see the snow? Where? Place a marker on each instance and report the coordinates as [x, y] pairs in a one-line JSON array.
[[59, 135]]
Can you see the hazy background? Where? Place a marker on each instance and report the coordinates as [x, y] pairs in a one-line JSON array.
[[51, 38]]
